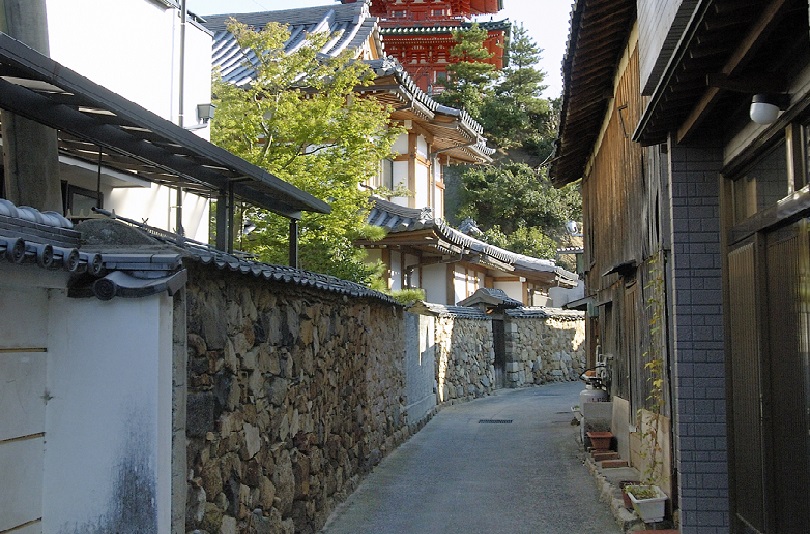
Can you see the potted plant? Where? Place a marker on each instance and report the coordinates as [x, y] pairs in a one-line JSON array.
[[646, 496], [648, 501]]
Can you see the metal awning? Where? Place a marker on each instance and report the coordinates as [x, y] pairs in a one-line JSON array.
[[93, 121]]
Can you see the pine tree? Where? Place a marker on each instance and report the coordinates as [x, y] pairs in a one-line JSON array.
[[469, 77], [516, 111]]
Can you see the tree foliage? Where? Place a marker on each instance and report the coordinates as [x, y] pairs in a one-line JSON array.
[[518, 208], [300, 120], [469, 78], [513, 203], [515, 112]]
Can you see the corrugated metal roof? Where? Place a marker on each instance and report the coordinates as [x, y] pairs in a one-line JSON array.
[[94, 123]]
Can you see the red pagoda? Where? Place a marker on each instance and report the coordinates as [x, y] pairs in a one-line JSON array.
[[419, 33]]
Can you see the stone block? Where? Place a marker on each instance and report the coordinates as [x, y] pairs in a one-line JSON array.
[[199, 413]]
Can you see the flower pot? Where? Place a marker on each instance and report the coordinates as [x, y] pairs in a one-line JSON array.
[[600, 440], [625, 497], [649, 509]]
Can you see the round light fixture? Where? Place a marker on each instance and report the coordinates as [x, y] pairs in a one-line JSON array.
[[763, 109]]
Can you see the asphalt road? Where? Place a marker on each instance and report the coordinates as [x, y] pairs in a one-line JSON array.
[[466, 476]]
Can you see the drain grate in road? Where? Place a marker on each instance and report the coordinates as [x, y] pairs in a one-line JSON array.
[[494, 420]]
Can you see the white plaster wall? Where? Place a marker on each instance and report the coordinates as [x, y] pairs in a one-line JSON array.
[[132, 48], [157, 206], [109, 376], [400, 170], [459, 285], [422, 193], [435, 283], [420, 365], [438, 192], [23, 361], [410, 259], [562, 295], [395, 271], [513, 289]]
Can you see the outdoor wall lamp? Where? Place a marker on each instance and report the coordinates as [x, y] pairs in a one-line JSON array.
[[765, 107], [205, 112]]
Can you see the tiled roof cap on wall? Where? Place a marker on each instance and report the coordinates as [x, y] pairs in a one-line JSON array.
[[111, 249], [541, 311]]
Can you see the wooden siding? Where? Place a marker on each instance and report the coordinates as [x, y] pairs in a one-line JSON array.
[[623, 200], [615, 189], [788, 398]]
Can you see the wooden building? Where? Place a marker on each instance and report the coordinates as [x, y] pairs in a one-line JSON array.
[[695, 200], [420, 34]]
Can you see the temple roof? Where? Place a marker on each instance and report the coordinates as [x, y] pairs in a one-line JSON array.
[[351, 25], [417, 228]]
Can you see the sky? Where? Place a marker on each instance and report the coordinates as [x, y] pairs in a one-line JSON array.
[[547, 22]]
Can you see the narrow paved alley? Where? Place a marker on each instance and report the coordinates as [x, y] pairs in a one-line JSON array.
[[505, 464]]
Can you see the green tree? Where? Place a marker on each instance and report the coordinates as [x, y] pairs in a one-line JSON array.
[[515, 112], [301, 120], [518, 208], [469, 77]]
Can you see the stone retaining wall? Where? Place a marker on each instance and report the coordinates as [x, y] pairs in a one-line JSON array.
[[542, 349], [292, 394], [465, 358]]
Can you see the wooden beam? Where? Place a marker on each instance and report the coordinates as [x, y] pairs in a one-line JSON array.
[[741, 56]]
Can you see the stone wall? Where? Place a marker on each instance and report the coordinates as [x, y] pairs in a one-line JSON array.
[[292, 394], [543, 346], [465, 358]]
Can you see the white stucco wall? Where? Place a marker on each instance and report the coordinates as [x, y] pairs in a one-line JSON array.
[[108, 423], [23, 368], [512, 288], [395, 271], [86, 401], [562, 296], [435, 283], [132, 47], [420, 365]]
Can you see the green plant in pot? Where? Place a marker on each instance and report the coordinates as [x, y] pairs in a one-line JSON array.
[[647, 497]]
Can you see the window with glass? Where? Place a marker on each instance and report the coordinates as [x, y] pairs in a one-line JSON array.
[[763, 184], [78, 200]]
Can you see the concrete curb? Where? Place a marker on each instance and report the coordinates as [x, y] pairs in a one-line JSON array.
[[612, 495]]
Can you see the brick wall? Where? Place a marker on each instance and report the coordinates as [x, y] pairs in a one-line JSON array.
[[699, 375]]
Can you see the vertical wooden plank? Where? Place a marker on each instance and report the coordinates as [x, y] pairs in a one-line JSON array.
[[746, 376]]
